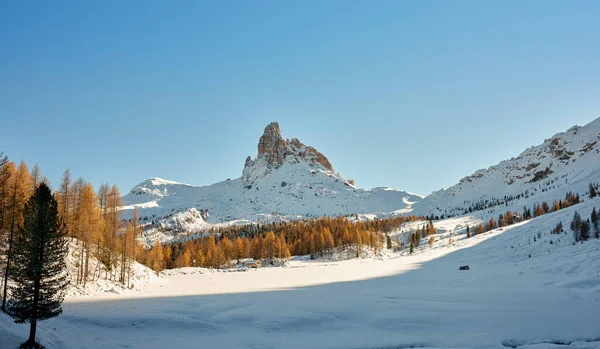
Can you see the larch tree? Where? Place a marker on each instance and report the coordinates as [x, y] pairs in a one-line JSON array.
[[358, 241], [157, 258], [269, 245], [227, 247], [101, 253], [329, 243], [39, 272], [76, 226], [284, 251], [136, 231], [36, 176], [126, 241], [64, 199], [20, 191], [239, 248], [7, 170], [88, 219], [112, 225]]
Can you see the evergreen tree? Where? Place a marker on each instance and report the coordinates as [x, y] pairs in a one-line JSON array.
[[592, 191], [594, 218], [584, 231], [576, 225], [39, 269]]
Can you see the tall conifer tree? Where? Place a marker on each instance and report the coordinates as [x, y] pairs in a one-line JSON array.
[[39, 269]]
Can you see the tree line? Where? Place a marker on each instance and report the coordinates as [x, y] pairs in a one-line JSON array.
[[510, 218], [91, 218], [315, 237], [582, 229]]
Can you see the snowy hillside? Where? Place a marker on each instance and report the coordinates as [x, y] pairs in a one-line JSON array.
[[287, 178], [100, 281], [520, 292], [568, 161]]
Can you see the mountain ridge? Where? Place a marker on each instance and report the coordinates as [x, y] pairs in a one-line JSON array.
[[286, 180], [290, 180], [567, 161]]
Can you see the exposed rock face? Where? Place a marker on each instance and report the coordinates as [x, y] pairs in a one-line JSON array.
[[308, 153], [275, 151], [271, 145], [541, 175]]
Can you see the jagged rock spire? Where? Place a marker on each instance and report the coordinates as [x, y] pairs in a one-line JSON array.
[[271, 145], [274, 151]]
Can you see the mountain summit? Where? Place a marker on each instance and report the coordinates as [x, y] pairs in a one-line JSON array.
[[274, 151]]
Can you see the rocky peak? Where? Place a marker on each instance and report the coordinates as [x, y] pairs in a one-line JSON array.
[[275, 151], [271, 145]]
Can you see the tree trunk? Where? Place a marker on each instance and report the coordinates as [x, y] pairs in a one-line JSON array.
[[6, 271], [32, 331], [2, 209], [37, 282], [87, 265], [81, 277]]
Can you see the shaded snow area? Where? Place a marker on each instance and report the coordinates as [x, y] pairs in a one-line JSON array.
[[518, 293]]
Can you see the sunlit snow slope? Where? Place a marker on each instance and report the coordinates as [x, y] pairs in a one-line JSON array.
[[569, 161]]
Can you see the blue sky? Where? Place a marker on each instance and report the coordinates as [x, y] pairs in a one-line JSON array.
[[408, 94]]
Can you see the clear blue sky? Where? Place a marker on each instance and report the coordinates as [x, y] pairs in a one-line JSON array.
[[408, 94]]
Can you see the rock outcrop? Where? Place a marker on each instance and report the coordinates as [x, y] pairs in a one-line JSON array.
[[274, 151], [271, 145]]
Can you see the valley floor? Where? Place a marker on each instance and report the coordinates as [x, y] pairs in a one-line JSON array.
[[517, 293]]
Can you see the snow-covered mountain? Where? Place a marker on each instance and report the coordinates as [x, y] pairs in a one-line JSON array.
[[287, 178], [569, 161], [291, 180]]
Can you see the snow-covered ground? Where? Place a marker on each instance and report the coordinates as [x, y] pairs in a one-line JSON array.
[[517, 293], [567, 161]]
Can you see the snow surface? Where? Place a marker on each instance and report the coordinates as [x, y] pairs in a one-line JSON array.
[[292, 191], [518, 293], [572, 157], [102, 282]]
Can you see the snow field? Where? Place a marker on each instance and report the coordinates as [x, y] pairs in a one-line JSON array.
[[507, 299]]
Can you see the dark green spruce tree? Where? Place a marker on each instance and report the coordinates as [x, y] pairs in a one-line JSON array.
[[39, 269], [594, 218]]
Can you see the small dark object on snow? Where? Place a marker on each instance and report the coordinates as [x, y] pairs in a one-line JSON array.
[[464, 267]]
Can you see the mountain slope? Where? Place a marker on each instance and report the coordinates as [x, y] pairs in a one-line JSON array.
[[569, 161], [287, 178]]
